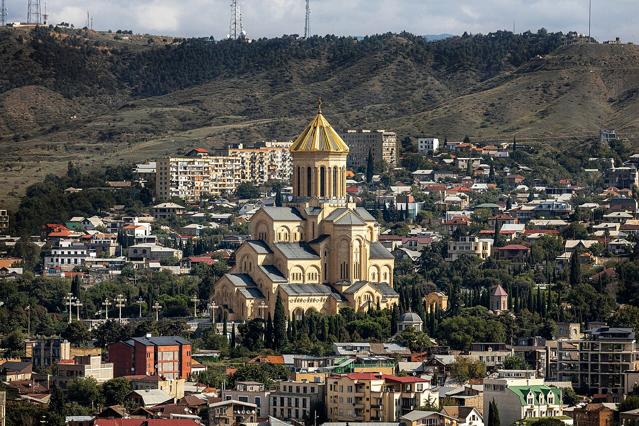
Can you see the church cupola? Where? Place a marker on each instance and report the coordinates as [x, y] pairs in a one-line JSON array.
[[319, 161]]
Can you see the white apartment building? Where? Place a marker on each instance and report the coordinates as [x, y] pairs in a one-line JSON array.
[[197, 174], [67, 255], [427, 145], [264, 161], [381, 143], [200, 174], [521, 398], [82, 367], [469, 245]]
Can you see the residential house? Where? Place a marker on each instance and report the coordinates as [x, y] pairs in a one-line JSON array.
[[521, 398], [471, 246], [83, 367], [253, 392], [232, 413], [594, 415], [464, 416], [296, 400]]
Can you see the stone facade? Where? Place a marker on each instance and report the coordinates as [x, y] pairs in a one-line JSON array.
[[319, 252]]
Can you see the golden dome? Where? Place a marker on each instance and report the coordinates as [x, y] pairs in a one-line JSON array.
[[319, 136]]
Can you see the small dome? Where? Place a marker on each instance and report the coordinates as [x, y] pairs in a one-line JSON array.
[[411, 317]]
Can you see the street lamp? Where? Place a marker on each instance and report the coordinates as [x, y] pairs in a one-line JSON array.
[[106, 305], [77, 305], [140, 302], [156, 307], [69, 298], [119, 303], [194, 299]]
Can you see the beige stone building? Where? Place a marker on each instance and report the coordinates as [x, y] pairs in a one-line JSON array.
[[83, 367], [382, 144], [373, 397], [319, 252]]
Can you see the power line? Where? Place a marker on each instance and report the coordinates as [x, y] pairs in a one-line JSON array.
[[307, 22]]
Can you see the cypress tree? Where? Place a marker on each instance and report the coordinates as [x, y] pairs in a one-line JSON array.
[[370, 167], [279, 324], [394, 319], [233, 336], [268, 336], [225, 329], [575, 269], [278, 197]]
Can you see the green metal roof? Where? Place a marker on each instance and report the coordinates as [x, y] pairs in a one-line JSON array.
[[523, 391]]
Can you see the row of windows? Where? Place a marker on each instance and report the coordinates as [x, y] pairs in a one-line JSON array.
[[289, 402]]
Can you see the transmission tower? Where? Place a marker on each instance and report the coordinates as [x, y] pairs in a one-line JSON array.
[[34, 12], [307, 22], [236, 29], [3, 14]]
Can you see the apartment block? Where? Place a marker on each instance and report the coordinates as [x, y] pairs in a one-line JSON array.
[[4, 221], [296, 400], [622, 177], [382, 144], [264, 161], [598, 362], [427, 145], [197, 174], [67, 255], [373, 397], [47, 351], [167, 356], [200, 173]]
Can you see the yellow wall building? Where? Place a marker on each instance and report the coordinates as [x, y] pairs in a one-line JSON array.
[[319, 252]]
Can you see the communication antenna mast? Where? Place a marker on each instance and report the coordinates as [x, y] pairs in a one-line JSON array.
[[45, 16], [34, 12], [236, 29], [307, 22], [3, 13], [589, 18]]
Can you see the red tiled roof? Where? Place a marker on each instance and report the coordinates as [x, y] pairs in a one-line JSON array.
[[145, 422], [364, 376], [513, 247], [404, 379], [499, 291], [201, 150], [202, 259]]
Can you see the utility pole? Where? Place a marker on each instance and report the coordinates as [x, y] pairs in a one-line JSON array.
[[156, 307], [3, 13], [106, 305], [589, 18], [69, 301], [194, 299], [140, 302], [307, 21], [119, 303]]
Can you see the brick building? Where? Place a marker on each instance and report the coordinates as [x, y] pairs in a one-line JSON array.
[[166, 356]]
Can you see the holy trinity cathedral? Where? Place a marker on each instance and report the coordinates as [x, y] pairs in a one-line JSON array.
[[320, 252]]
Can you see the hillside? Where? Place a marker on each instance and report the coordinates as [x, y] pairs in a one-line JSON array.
[[91, 98]]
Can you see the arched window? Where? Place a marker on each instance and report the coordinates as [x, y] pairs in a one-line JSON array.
[[299, 181], [309, 183], [322, 181], [335, 181], [356, 259]]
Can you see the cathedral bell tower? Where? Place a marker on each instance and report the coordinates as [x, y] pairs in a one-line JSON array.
[[319, 163]]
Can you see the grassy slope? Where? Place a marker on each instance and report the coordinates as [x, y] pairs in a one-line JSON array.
[[571, 93]]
